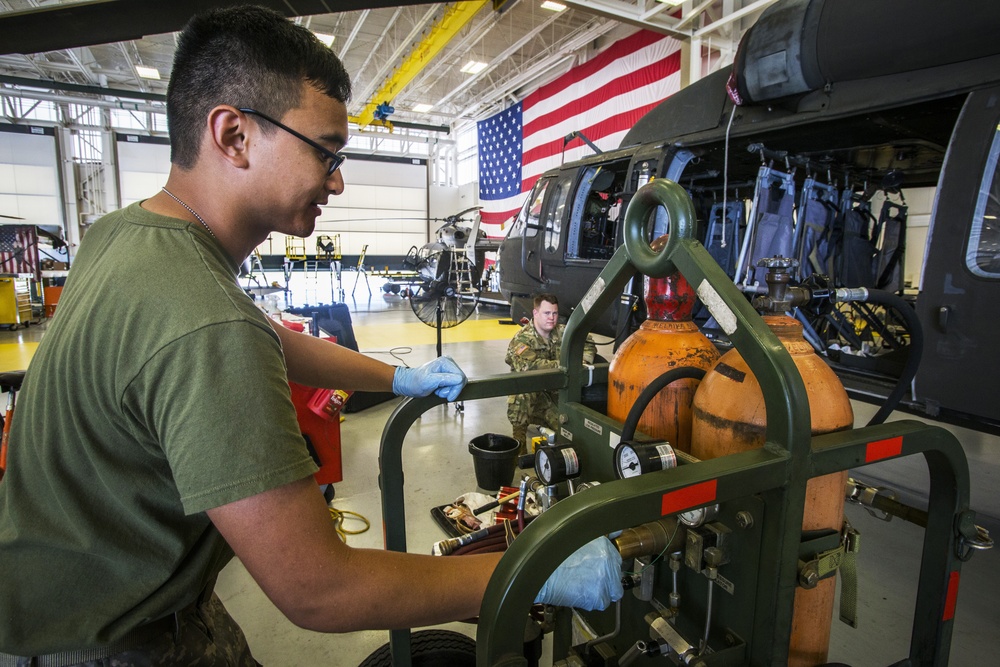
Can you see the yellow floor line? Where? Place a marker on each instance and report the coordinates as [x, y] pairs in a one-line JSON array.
[[372, 336], [15, 356]]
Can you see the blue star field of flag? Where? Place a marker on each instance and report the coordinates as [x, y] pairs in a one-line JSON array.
[[500, 154]]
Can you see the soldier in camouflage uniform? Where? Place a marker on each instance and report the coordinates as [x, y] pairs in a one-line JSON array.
[[536, 347]]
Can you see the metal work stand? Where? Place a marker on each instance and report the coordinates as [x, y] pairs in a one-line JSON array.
[[774, 477]]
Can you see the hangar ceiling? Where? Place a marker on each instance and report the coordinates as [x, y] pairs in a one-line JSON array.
[[92, 48]]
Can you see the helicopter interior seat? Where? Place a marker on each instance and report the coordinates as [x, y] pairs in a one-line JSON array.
[[891, 236], [771, 227], [818, 207], [722, 236], [850, 247]]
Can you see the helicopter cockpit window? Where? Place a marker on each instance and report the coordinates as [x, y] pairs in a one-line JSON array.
[[983, 254], [597, 211], [532, 211], [553, 222]]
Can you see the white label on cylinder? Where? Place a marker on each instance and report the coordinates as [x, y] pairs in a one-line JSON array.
[[720, 311], [593, 426]]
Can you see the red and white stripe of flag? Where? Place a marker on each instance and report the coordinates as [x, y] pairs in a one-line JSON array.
[[603, 98]]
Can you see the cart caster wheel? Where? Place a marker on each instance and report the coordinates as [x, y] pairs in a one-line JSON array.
[[431, 648]]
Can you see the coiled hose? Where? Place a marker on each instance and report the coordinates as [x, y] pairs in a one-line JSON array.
[[655, 387]]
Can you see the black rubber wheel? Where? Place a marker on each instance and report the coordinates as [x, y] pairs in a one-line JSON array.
[[431, 648]]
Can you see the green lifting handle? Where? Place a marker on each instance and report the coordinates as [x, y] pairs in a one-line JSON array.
[[681, 218]]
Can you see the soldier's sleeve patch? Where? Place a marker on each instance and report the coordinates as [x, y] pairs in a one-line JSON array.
[[521, 349]]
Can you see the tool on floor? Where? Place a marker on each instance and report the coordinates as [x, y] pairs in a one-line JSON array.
[[496, 503]]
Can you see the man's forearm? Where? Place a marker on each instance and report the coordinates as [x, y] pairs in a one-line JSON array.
[[285, 539], [319, 363], [388, 590]]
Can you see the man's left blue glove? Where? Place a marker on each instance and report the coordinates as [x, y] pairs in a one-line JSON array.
[[442, 376]]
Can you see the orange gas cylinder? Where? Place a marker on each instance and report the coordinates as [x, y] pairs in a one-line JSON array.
[[668, 339], [729, 417]]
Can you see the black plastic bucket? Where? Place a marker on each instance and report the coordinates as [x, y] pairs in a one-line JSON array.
[[494, 457]]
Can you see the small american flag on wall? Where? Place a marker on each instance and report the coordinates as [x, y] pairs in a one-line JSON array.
[[19, 250]]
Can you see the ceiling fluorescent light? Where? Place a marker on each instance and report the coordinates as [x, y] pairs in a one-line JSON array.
[[672, 3], [473, 67], [553, 6], [147, 72], [422, 108], [325, 38]]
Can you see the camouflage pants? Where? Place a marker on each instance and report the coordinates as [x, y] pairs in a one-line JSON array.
[[205, 636], [536, 408]]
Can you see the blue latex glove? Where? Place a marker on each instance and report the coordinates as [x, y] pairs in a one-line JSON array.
[[590, 579], [442, 376]]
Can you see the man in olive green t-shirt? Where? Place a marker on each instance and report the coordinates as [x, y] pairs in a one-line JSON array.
[[155, 437]]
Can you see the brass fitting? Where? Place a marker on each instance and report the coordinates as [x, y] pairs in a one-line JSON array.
[[650, 539]]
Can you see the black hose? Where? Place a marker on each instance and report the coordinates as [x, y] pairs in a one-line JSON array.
[[654, 388], [900, 305]]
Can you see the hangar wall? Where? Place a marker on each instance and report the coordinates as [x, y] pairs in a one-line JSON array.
[[384, 206]]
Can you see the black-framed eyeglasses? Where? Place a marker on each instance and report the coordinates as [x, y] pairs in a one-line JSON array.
[[336, 159]]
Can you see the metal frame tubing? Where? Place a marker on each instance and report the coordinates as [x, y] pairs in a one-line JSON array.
[[390, 462]]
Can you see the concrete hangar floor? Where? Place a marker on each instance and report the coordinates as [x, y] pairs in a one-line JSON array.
[[439, 468]]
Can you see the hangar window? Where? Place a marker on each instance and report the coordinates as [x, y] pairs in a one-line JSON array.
[[983, 254]]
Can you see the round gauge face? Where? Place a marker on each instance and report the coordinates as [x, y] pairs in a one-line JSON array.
[[693, 518], [543, 466], [627, 462]]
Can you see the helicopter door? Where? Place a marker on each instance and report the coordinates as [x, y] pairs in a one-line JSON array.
[[961, 276]]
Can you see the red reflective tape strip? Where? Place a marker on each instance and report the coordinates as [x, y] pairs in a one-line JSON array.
[[688, 497], [951, 598], [883, 449]]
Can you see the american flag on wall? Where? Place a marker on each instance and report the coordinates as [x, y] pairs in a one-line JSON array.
[[601, 98], [19, 250]]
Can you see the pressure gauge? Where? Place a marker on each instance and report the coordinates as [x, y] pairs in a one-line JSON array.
[[633, 459], [699, 516], [556, 464]]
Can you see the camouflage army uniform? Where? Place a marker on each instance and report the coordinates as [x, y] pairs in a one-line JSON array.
[[528, 351]]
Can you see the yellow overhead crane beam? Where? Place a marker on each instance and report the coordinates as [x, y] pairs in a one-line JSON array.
[[454, 19]]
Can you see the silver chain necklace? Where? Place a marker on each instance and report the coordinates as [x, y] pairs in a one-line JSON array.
[[191, 210]]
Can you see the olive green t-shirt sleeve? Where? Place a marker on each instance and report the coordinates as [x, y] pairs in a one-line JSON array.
[[217, 403]]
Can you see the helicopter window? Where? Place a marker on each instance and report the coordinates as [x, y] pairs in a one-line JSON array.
[[597, 210], [983, 255], [553, 223], [533, 208]]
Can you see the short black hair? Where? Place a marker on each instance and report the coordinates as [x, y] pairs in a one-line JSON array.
[[546, 296], [249, 57]]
